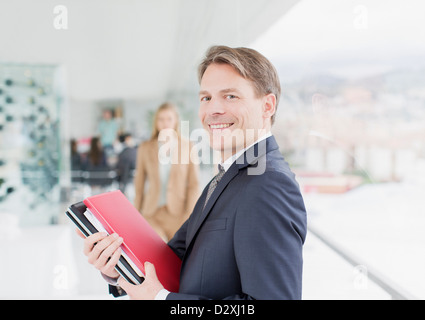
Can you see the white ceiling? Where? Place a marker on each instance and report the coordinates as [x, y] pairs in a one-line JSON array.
[[128, 48]]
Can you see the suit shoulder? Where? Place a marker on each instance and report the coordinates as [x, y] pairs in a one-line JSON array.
[[274, 197], [272, 181], [272, 169]]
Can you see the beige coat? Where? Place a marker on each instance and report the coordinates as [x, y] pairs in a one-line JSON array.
[[182, 190]]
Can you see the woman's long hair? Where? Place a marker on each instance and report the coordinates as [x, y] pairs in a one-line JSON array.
[[96, 153], [162, 107]]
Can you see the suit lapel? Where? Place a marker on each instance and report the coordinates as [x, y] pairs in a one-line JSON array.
[[250, 157], [202, 213]]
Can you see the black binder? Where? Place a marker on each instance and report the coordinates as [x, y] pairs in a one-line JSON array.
[[76, 213]]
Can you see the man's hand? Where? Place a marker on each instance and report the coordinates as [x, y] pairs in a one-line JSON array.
[[103, 252], [145, 291]]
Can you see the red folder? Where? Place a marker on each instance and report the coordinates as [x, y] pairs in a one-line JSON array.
[[141, 242]]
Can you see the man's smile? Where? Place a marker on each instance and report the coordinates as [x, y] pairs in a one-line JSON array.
[[216, 126]]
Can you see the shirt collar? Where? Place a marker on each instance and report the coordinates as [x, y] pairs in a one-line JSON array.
[[229, 161]]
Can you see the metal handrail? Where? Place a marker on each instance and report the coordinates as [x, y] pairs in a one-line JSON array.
[[394, 290]]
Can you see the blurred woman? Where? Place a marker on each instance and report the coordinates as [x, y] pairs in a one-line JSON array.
[[95, 166], [166, 181], [76, 162]]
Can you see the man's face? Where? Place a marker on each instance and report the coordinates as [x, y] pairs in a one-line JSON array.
[[230, 110]]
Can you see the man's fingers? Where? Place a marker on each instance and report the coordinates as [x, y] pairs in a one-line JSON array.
[[107, 253], [90, 241], [100, 246], [150, 271], [127, 286], [110, 265], [148, 289], [114, 259]]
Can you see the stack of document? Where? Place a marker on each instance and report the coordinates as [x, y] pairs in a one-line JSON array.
[[111, 212]]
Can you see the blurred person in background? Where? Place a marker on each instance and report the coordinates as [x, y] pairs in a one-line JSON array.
[[108, 130], [95, 166], [126, 160], [76, 162], [168, 198]]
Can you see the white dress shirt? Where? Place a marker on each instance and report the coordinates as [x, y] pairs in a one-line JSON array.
[[229, 161]]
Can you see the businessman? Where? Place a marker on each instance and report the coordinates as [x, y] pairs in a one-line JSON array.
[[244, 237]]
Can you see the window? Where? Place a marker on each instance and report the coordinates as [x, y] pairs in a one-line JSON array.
[[351, 123]]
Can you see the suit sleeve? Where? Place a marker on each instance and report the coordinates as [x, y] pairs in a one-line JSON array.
[[270, 230]]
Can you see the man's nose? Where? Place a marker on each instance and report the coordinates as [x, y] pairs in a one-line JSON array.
[[215, 107]]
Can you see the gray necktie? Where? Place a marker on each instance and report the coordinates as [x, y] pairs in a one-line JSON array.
[[214, 183]]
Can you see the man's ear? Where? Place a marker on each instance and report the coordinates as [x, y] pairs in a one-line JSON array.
[[269, 105]]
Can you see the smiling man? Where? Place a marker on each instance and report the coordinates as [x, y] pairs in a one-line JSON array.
[[245, 235], [230, 109], [235, 109]]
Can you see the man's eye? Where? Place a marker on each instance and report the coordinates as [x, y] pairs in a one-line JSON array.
[[230, 97], [205, 99]]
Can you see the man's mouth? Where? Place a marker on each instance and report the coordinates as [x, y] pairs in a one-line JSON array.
[[220, 126]]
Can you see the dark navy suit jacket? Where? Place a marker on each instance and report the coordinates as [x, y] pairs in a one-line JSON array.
[[247, 242]]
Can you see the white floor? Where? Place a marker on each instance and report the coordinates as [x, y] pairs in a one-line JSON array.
[[328, 276], [382, 225]]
